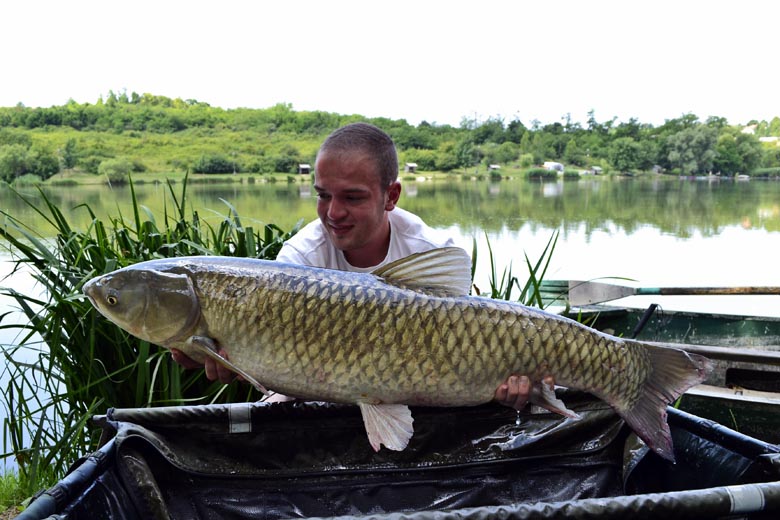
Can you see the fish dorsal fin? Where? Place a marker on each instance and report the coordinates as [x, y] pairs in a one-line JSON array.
[[445, 271]]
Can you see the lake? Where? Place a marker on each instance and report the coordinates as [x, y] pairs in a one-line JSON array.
[[655, 231]]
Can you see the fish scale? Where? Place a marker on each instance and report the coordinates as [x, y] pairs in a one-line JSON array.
[[404, 335]]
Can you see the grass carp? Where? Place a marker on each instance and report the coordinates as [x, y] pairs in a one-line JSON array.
[[406, 334]]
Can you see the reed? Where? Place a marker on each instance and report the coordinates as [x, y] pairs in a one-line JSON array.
[[69, 363], [503, 285]]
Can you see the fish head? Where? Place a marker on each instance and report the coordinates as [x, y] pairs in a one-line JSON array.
[[159, 307]]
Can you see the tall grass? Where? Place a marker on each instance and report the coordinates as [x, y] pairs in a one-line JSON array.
[[69, 363], [503, 285]]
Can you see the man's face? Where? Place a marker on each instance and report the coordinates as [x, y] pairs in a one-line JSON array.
[[351, 203]]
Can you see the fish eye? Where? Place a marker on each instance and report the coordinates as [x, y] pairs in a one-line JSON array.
[[112, 300]]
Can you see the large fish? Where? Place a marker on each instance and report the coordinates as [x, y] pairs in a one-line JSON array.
[[406, 334]]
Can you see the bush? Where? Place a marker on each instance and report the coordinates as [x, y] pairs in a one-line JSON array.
[[766, 172], [27, 179], [43, 163], [215, 163], [17, 160], [542, 173], [425, 159], [13, 161], [285, 164], [116, 170], [91, 164]]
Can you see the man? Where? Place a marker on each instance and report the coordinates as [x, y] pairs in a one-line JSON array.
[[360, 228]]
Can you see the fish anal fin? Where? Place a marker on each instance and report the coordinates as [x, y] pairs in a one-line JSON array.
[[207, 347], [544, 395], [444, 271], [388, 424]]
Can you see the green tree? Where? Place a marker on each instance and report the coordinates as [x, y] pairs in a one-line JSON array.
[[774, 127], [503, 153], [515, 131], [8, 136], [624, 154], [573, 153], [446, 157], [736, 152], [42, 162], [425, 159], [491, 131], [69, 154], [526, 143], [467, 154], [692, 150], [13, 161]]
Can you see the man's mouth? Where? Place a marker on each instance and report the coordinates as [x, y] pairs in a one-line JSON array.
[[340, 229]]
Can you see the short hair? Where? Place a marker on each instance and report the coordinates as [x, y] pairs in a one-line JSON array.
[[368, 139]]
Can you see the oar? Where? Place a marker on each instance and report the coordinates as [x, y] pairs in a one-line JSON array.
[[765, 355], [586, 293]]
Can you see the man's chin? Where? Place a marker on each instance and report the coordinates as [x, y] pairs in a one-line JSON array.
[[342, 241]]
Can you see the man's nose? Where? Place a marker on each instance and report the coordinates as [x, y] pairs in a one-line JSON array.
[[336, 210]]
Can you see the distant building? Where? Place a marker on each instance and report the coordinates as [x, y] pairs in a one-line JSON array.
[[553, 166], [410, 167], [304, 168]]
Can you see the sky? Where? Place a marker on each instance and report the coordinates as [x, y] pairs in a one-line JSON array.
[[418, 60]]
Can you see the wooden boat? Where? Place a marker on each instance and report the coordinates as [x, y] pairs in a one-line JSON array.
[[743, 392]]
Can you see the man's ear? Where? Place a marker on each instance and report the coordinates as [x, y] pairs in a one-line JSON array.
[[393, 194]]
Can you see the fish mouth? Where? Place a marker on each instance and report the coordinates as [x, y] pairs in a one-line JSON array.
[[88, 290]]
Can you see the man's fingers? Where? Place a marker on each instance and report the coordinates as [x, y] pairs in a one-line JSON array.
[[214, 370], [501, 393], [515, 392], [183, 359], [224, 374], [521, 391]]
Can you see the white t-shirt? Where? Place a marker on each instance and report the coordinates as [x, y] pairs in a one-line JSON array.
[[408, 235]]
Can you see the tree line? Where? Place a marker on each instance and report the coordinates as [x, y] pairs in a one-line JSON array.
[[136, 133]]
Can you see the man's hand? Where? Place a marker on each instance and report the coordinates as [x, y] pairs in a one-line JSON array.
[[516, 392], [214, 371]]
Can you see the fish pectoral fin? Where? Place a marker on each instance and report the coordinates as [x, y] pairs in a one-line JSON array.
[[207, 347], [388, 424], [544, 395]]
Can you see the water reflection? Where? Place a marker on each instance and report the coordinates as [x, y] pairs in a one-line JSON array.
[[656, 230]]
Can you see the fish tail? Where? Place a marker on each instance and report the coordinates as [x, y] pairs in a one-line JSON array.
[[671, 372]]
